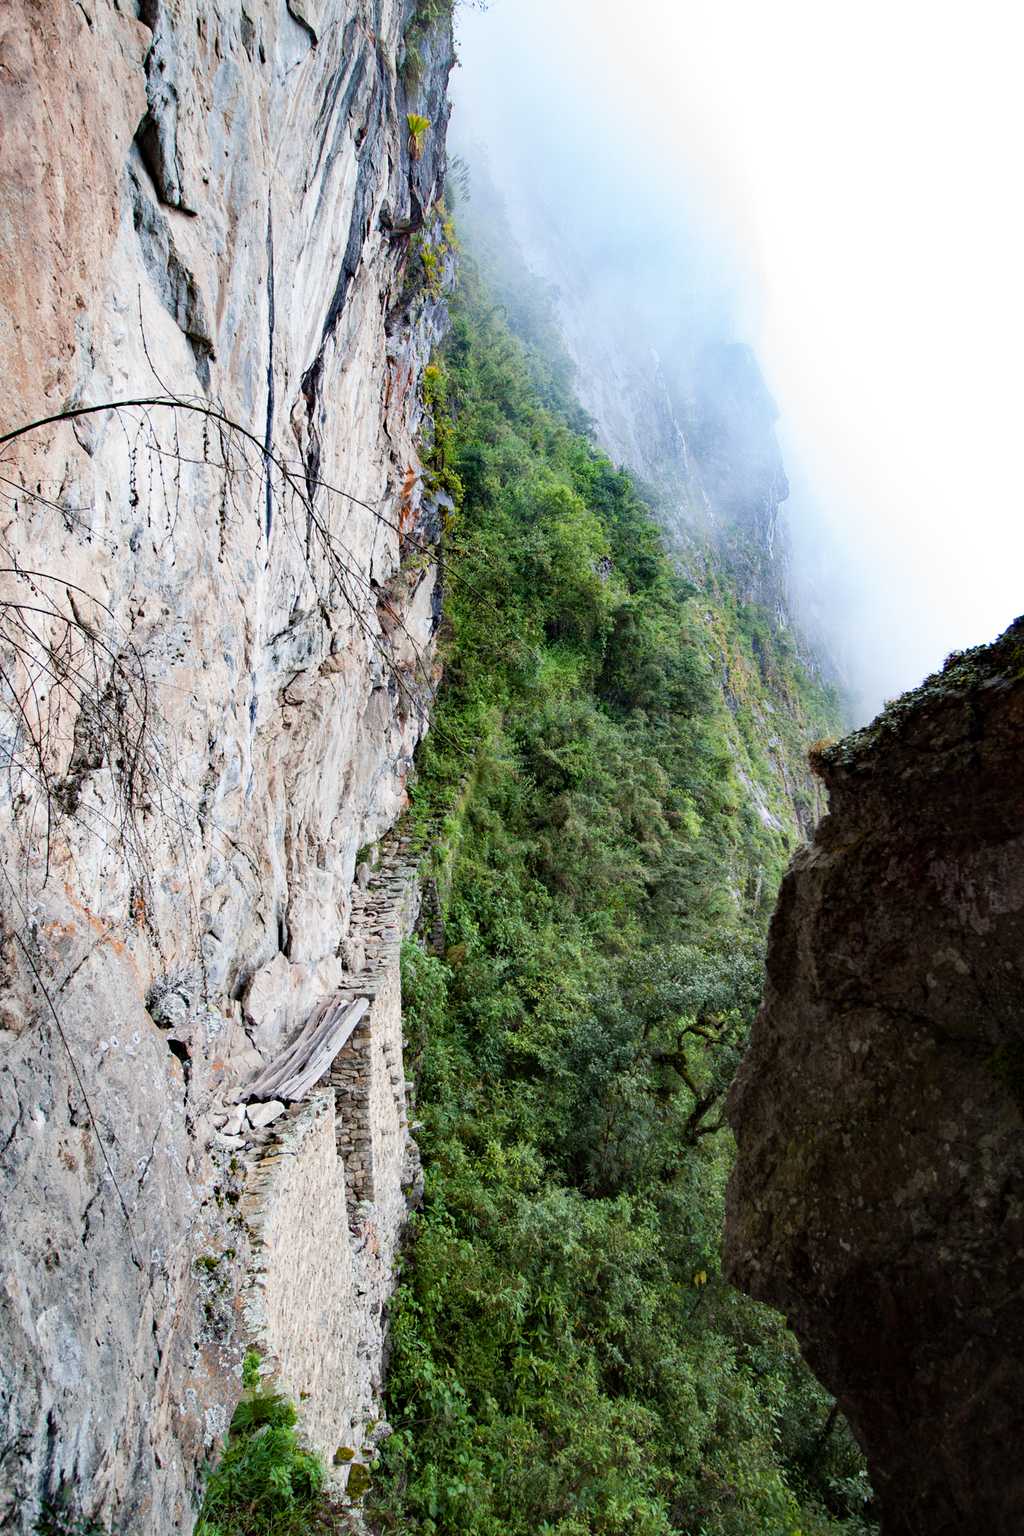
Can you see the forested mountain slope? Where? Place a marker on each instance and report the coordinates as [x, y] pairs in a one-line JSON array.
[[600, 808]]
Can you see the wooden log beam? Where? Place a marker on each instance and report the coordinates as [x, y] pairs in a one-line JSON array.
[[309, 1057]]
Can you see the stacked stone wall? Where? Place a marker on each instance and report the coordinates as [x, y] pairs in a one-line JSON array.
[[326, 1196], [295, 1204]]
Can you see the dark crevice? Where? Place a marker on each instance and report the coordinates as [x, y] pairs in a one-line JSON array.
[[176, 285], [179, 1049], [14, 1131], [300, 21], [242, 980], [312, 456], [46, 1480]]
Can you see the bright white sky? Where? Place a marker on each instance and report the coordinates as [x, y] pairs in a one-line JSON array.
[[860, 168]]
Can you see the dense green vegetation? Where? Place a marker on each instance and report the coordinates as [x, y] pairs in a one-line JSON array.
[[266, 1483], [58, 1517], [567, 1358]]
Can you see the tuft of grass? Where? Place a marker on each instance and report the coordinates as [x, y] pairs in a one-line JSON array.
[[441, 458], [412, 64], [261, 1409], [419, 127], [816, 754]]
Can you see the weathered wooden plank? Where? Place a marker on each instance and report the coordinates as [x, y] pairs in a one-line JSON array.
[[328, 1028]]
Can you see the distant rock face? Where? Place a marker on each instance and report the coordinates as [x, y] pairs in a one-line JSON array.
[[733, 443], [878, 1196], [690, 416], [216, 630]]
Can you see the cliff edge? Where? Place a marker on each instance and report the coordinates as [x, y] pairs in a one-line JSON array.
[[222, 264], [878, 1196]]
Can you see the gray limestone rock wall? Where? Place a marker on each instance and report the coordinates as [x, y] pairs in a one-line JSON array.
[[878, 1196], [215, 664]]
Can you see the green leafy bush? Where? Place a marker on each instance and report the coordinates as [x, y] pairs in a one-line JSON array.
[[59, 1517], [266, 1483]]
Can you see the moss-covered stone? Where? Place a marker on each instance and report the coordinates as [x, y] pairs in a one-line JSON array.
[[358, 1481]]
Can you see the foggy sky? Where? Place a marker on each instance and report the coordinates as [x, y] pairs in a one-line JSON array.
[[840, 187]]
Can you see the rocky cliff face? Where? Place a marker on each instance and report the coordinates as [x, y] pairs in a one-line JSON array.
[[216, 619], [698, 423], [739, 469], [878, 1199]]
